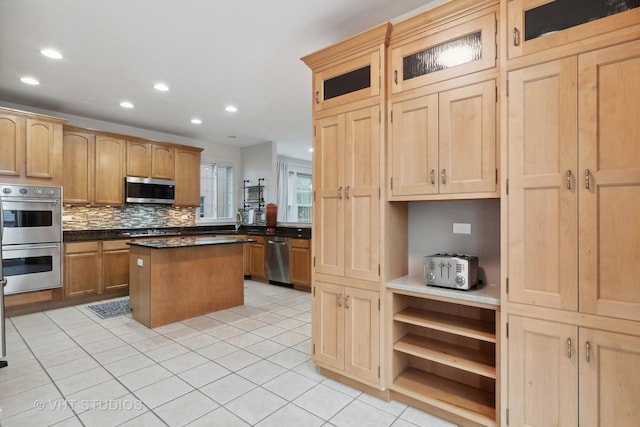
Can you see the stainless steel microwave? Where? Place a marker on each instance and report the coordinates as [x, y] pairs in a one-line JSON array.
[[149, 190]]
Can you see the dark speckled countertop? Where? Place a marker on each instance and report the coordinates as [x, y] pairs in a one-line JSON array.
[[185, 242], [87, 235]]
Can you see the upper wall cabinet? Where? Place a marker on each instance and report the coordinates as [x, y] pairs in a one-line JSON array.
[[79, 151], [536, 25], [187, 176], [351, 75], [31, 147], [150, 160], [462, 46], [109, 173]]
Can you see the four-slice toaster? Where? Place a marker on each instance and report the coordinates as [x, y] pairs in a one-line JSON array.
[[451, 270]]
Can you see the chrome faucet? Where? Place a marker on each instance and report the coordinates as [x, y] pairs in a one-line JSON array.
[[238, 220]]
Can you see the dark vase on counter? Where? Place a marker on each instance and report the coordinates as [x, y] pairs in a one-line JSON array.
[[272, 218]]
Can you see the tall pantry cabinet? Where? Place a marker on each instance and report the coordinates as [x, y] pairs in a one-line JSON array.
[[349, 255], [573, 304]]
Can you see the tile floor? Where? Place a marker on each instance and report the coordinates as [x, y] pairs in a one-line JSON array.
[[247, 365]]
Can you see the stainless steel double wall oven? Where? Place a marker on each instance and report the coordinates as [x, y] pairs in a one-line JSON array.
[[32, 237]]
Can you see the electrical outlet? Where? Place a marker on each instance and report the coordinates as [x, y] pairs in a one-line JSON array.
[[140, 262], [67, 217], [184, 217], [461, 228]]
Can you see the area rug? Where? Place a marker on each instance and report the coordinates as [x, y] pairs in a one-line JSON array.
[[109, 309]]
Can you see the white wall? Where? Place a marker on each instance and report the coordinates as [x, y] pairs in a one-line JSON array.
[[259, 161], [430, 232]]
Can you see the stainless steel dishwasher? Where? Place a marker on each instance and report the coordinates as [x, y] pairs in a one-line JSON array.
[[276, 259]]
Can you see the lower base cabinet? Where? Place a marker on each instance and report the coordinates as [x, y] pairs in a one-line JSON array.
[[564, 375], [256, 257], [300, 262], [444, 356], [82, 268], [95, 267], [346, 330]]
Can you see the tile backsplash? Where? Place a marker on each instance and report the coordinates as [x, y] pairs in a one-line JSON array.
[[127, 216]]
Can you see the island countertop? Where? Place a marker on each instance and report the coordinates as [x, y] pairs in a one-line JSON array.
[[184, 242]]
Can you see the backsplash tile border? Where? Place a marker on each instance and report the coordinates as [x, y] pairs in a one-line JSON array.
[[126, 216]]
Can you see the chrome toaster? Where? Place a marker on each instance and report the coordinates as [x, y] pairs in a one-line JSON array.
[[451, 271]]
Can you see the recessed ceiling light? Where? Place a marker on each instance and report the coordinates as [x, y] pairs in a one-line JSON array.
[[232, 136], [161, 87], [126, 104], [231, 108], [196, 121], [30, 81], [51, 53]]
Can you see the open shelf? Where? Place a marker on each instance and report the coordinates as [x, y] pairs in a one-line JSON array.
[[471, 403], [457, 325], [448, 354]]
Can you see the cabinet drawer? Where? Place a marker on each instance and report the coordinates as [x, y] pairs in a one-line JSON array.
[[259, 240], [299, 243], [80, 247], [114, 245], [467, 47]]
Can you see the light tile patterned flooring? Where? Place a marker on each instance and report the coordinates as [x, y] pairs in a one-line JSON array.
[[248, 365]]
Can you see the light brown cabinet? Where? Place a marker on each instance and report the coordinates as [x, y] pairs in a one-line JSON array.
[[82, 269], [139, 159], [256, 257], [579, 150], [109, 170], [79, 151], [346, 175], [300, 263], [346, 324], [565, 375], [31, 147], [95, 267], [187, 176], [529, 29], [574, 200], [444, 144], [150, 160], [420, 57], [115, 265]]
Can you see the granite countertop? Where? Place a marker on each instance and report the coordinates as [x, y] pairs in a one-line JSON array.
[[132, 233], [483, 293], [185, 242]]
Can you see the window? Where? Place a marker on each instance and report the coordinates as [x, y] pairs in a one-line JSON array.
[[300, 196], [216, 191]]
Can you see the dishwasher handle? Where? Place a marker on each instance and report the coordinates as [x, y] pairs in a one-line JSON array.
[[277, 242]]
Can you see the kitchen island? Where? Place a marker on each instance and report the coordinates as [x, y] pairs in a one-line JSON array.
[[176, 279]]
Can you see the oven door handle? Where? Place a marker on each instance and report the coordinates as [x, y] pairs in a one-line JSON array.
[[22, 247], [54, 202]]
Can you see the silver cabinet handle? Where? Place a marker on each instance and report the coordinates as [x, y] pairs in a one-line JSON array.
[[317, 97], [340, 192], [516, 37], [395, 76], [346, 192], [568, 180], [432, 176], [346, 301], [587, 178], [588, 352], [569, 349], [339, 300], [444, 176]]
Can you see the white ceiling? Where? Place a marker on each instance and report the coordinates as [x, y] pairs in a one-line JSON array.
[[210, 53]]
